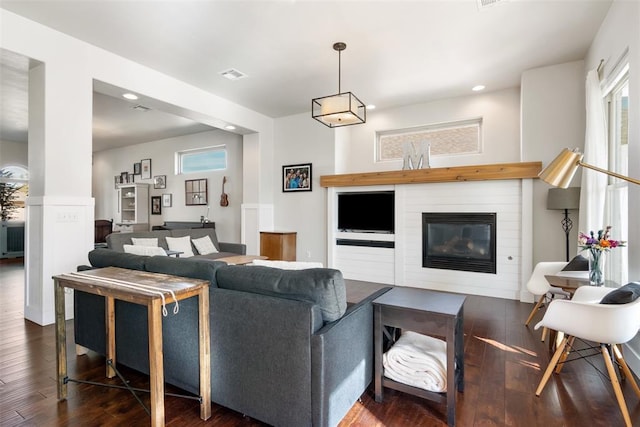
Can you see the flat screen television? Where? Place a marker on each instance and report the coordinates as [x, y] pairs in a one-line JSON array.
[[367, 212]]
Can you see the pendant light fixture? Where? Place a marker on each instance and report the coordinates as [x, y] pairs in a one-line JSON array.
[[341, 109]]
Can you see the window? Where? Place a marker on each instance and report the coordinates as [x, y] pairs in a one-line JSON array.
[[461, 137], [616, 209], [201, 160]]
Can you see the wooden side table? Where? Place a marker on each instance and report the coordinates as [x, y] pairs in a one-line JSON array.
[[426, 312], [149, 289], [278, 245]]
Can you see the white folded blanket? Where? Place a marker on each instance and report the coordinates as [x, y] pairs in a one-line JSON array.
[[417, 360]]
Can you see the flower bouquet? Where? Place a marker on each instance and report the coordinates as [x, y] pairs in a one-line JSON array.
[[597, 245]]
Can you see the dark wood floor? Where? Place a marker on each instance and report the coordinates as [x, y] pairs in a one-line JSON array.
[[503, 366]]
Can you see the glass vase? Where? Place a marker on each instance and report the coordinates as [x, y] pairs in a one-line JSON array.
[[596, 267]]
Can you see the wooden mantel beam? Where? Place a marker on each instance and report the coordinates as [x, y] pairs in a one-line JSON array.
[[451, 174]]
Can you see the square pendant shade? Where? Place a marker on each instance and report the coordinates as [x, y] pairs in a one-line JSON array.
[[342, 109]]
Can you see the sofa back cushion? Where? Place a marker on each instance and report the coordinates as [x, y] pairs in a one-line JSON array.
[[322, 286], [100, 258], [116, 241], [197, 233], [205, 270]]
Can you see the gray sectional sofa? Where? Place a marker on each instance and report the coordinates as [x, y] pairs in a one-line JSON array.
[[116, 241], [285, 348]]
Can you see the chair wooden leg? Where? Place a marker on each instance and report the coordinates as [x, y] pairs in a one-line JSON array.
[[535, 310], [616, 385], [544, 333], [552, 364], [564, 356], [625, 369]]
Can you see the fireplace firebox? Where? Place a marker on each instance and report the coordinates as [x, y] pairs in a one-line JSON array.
[[459, 241]]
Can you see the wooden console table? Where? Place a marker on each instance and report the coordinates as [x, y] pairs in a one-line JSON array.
[[425, 312], [153, 290]]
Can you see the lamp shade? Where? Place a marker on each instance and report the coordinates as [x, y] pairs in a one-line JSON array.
[[560, 198], [562, 169], [342, 109]]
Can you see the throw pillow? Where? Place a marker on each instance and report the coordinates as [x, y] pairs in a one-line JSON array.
[[139, 241], [578, 263], [181, 244], [204, 246], [623, 295], [144, 250]]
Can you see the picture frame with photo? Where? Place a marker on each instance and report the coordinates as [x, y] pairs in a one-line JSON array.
[[156, 205], [124, 177], [137, 168], [145, 169], [166, 200], [160, 181], [296, 178]]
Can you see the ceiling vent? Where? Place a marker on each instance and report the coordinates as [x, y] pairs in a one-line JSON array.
[[141, 108], [486, 4], [233, 74]]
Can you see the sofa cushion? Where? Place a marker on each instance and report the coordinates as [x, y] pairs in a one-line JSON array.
[[205, 270], [287, 265], [322, 286], [180, 244], [144, 241], [204, 245], [144, 250], [197, 233], [100, 258], [116, 241]]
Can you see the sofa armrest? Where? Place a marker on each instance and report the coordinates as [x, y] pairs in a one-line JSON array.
[[236, 248]]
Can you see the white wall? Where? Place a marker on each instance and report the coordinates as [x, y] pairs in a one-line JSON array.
[[500, 111], [107, 164], [300, 139], [618, 32], [553, 117]]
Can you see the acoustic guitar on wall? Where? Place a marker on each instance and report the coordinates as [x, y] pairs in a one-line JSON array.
[[224, 198]]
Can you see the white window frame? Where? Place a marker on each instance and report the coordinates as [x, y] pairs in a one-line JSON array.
[[183, 153]]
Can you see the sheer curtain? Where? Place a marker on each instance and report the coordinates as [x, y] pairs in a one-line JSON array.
[[594, 184]]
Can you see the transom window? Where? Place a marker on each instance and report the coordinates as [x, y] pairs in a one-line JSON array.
[[201, 160]]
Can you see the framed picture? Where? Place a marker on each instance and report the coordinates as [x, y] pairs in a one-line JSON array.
[[296, 177], [137, 168], [166, 200], [124, 177], [156, 205], [195, 192], [160, 181], [145, 169]]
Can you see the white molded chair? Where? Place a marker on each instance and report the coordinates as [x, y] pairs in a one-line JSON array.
[[539, 287], [607, 324]]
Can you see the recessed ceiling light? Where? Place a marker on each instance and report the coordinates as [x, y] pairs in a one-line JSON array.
[[477, 88], [371, 107], [129, 96], [230, 127]]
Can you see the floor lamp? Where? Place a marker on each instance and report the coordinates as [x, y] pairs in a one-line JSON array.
[[564, 199]]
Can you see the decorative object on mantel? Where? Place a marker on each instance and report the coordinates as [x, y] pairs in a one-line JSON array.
[[564, 199], [561, 170], [145, 165], [156, 205], [416, 158], [296, 177], [597, 245], [341, 109], [160, 181], [224, 198], [195, 192], [496, 171]]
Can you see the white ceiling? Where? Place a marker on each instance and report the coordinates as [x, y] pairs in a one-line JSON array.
[[398, 52]]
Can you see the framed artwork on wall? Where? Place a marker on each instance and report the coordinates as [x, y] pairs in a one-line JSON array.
[[166, 200], [145, 169], [156, 205], [296, 177], [195, 192], [137, 168], [160, 181]]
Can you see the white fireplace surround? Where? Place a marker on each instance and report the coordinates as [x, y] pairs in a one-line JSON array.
[[510, 199]]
